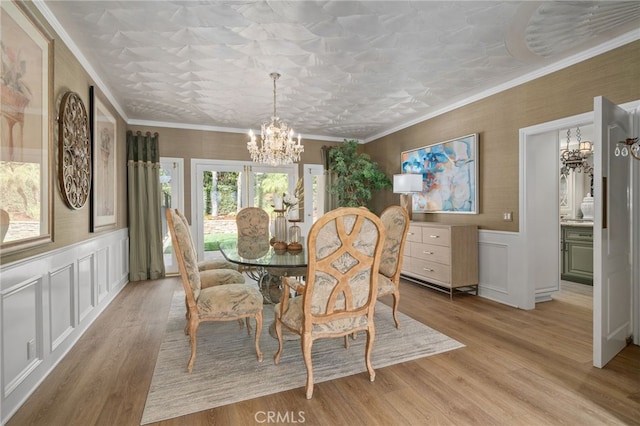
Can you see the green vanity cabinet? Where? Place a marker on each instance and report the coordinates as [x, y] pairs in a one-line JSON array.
[[577, 254]]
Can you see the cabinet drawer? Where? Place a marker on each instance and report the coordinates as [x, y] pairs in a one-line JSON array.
[[431, 252], [428, 270], [578, 234], [437, 236], [414, 233]]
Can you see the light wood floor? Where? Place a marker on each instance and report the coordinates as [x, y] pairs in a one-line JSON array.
[[518, 368]]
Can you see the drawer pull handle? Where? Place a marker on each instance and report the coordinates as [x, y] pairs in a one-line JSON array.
[[410, 233], [428, 270], [434, 236], [427, 252]]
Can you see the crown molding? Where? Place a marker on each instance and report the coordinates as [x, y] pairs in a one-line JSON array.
[[57, 26], [624, 39], [207, 128]]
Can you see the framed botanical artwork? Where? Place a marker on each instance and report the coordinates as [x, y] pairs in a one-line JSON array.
[[26, 95], [449, 175], [103, 193]]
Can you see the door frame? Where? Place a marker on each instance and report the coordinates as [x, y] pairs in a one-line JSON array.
[[526, 298], [246, 168], [309, 171], [177, 198]]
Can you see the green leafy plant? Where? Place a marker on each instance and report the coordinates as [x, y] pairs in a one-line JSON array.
[[356, 175]]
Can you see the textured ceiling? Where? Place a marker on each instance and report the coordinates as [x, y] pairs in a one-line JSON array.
[[350, 69]]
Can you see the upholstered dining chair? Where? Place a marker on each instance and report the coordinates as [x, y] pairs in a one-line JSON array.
[[226, 302], [344, 249], [209, 264], [215, 271], [253, 222], [396, 224]]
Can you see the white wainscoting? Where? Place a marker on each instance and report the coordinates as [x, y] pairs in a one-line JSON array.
[[501, 268], [47, 302]]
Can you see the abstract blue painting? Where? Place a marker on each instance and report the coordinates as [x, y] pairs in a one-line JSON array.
[[449, 175]]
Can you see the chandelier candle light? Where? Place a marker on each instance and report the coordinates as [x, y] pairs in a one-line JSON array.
[[277, 145], [576, 159]]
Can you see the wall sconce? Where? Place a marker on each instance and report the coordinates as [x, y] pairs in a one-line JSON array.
[[405, 185]]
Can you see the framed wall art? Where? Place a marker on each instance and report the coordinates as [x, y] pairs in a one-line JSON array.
[[26, 93], [103, 194], [449, 175]]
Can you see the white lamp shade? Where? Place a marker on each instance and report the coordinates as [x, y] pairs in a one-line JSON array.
[[407, 183]]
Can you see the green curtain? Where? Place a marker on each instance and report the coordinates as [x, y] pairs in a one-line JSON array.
[[144, 196], [330, 199]]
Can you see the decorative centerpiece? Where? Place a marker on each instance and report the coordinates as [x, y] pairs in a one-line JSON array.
[[295, 236], [285, 208], [280, 231], [587, 207]]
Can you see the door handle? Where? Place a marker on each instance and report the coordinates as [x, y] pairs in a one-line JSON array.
[[604, 202]]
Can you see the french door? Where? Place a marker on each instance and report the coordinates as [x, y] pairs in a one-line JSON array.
[[171, 182], [314, 195], [221, 188], [612, 275]]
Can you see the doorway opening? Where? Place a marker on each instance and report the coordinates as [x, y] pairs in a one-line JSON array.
[[221, 188]]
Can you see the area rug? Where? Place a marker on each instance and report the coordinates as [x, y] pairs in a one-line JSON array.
[[226, 370]]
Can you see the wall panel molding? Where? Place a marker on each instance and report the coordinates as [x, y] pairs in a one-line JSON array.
[[61, 302], [497, 251], [47, 302]]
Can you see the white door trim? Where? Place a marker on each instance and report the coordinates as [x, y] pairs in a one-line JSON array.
[[526, 298]]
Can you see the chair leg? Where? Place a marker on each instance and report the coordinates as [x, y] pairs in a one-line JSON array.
[[193, 331], [396, 302], [367, 352], [276, 357], [307, 342], [258, 332], [248, 320], [186, 316]]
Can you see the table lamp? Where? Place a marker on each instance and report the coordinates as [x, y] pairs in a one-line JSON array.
[[405, 185]]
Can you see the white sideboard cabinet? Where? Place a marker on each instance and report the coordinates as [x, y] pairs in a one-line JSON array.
[[442, 256]]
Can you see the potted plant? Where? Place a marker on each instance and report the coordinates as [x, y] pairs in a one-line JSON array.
[[356, 175]]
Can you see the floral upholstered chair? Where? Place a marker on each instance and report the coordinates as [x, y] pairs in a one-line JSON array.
[[211, 264], [253, 222], [339, 296], [396, 224], [224, 272], [227, 302]]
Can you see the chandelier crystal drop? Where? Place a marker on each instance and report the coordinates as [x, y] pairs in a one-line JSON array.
[[277, 146], [576, 159], [628, 146]]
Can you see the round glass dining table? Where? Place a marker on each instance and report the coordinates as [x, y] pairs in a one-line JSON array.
[[261, 262]]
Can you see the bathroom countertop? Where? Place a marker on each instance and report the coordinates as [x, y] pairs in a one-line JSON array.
[[577, 222]]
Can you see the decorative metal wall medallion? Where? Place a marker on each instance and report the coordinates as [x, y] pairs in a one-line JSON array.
[[74, 151]]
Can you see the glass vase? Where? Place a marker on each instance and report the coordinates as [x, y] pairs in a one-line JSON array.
[[280, 225]]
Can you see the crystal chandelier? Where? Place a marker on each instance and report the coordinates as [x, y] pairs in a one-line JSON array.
[[277, 145], [576, 159]]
